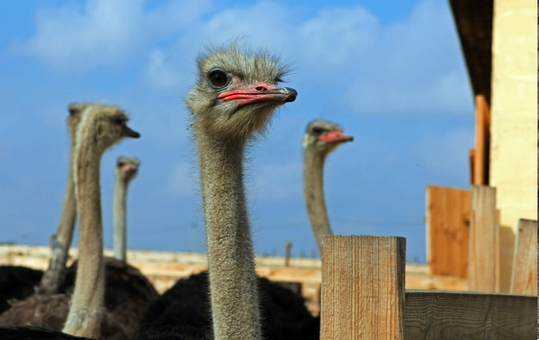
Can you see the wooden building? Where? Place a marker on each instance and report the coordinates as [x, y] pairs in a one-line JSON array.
[[499, 44]]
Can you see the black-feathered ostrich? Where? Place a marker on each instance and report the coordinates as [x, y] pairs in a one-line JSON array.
[[231, 103], [320, 139]]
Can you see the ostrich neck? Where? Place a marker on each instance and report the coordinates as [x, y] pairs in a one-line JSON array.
[[233, 291], [55, 273], [86, 310], [313, 174], [119, 217]]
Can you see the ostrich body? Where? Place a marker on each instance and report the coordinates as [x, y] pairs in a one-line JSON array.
[[100, 127], [320, 139], [16, 283], [126, 170], [283, 312], [54, 275]]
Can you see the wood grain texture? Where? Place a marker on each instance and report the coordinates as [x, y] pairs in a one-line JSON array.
[[469, 316], [483, 265], [524, 278], [448, 215], [362, 287], [482, 141]]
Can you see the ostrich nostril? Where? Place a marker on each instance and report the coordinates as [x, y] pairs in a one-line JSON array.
[[261, 88]]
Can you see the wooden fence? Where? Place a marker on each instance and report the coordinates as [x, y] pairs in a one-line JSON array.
[[363, 297]]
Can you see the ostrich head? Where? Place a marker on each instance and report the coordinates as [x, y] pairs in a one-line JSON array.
[[236, 92], [127, 168], [75, 114], [103, 125], [323, 137]]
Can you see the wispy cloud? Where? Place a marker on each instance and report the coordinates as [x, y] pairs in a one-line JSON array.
[[104, 32], [408, 67]]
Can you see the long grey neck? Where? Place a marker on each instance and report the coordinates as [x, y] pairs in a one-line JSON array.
[[313, 173], [60, 243], [86, 311], [233, 290], [119, 218]]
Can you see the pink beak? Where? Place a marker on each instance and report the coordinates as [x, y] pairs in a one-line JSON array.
[[260, 92], [335, 136], [127, 168]]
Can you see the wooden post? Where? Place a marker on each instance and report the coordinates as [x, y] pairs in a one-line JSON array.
[[483, 266], [482, 141], [362, 287], [287, 248], [524, 278]]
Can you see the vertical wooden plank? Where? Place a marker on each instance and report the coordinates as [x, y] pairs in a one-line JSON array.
[[464, 232], [524, 278], [362, 287], [447, 223], [471, 159], [482, 141], [287, 250], [483, 266]]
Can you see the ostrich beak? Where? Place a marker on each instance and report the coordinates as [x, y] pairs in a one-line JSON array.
[[129, 167], [335, 136], [130, 133], [260, 92]]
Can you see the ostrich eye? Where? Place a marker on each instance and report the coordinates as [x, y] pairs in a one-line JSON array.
[[120, 164], [218, 78], [118, 120], [317, 130]]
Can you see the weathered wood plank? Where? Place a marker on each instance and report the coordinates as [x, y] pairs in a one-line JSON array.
[[483, 265], [362, 287], [524, 278], [469, 316]]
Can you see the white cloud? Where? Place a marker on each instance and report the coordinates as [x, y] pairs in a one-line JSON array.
[[408, 67], [160, 73], [104, 32], [100, 33]]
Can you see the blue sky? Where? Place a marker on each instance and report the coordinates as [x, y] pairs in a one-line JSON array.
[[390, 73]]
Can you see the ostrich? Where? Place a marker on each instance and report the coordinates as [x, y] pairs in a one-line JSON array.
[[231, 104], [320, 139], [54, 275], [100, 127], [126, 170]]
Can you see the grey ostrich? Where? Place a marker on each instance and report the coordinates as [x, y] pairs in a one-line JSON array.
[[231, 103], [234, 98], [320, 139], [100, 127], [126, 170]]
